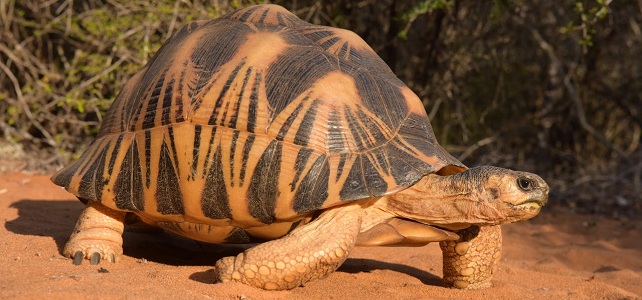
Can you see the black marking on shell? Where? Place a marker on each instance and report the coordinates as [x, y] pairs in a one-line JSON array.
[[329, 42], [235, 137], [380, 93], [64, 176], [114, 154], [91, 157], [374, 182], [263, 190], [342, 161], [289, 120], [302, 136], [305, 64], [100, 181], [313, 190], [144, 88], [219, 44], [238, 236], [221, 97], [279, 16], [344, 52], [248, 13], [416, 130], [152, 102], [246, 155], [210, 144], [215, 203], [355, 185], [170, 132], [239, 101], [195, 151], [168, 190], [91, 184], [263, 16], [375, 136], [203, 79], [148, 158], [318, 33], [128, 188], [299, 165], [357, 130], [181, 89], [254, 102], [406, 169], [167, 104]]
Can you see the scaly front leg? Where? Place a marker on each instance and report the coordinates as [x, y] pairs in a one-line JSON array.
[[98, 235], [469, 263], [309, 252]]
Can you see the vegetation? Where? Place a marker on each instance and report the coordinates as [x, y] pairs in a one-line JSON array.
[[552, 87]]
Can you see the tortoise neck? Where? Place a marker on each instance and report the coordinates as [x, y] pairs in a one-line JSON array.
[[441, 200]]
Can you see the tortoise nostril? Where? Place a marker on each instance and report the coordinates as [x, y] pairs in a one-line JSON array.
[[525, 184]]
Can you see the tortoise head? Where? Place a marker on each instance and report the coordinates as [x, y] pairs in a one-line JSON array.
[[482, 195]]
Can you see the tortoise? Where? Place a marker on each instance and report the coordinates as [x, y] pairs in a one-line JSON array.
[[258, 127]]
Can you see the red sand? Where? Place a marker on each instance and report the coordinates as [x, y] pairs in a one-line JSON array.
[[555, 256]]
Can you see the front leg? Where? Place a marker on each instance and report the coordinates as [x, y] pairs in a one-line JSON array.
[[98, 235], [309, 252], [469, 263]]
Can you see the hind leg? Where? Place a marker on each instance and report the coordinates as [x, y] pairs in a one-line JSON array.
[[98, 235], [310, 252], [469, 263]]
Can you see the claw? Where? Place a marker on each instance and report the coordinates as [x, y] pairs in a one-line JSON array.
[[111, 258], [78, 256], [95, 258]]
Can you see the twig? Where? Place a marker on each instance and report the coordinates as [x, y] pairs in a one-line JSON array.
[[172, 23], [573, 94], [476, 146], [25, 106], [96, 77]]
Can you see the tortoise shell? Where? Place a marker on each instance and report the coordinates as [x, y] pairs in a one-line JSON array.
[[252, 119]]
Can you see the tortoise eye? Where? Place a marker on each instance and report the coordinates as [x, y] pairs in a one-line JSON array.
[[525, 184]]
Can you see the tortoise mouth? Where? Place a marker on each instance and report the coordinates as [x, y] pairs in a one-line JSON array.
[[537, 199], [530, 202], [526, 209]]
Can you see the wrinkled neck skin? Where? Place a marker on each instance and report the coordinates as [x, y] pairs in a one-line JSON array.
[[452, 202]]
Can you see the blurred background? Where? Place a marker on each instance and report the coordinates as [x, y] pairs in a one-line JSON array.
[[552, 87]]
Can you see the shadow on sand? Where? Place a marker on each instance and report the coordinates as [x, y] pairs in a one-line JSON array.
[[57, 220]]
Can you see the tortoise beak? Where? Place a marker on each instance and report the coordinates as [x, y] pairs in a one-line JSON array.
[[539, 197]]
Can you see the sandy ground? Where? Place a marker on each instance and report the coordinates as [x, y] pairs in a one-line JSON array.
[[555, 256]]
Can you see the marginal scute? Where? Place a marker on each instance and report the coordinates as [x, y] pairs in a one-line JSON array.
[[128, 188], [168, 193], [263, 190], [91, 184], [313, 190], [215, 201], [354, 186]]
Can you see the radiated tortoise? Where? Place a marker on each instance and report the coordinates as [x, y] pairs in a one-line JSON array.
[[260, 127]]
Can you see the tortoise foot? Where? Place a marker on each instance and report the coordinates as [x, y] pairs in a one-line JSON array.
[[97, 236], [93, 250], [471, 261]]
